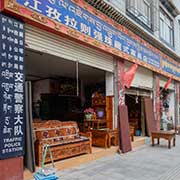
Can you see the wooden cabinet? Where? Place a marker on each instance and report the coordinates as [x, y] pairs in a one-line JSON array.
[[109, 111], [103, 107], [99, 105]]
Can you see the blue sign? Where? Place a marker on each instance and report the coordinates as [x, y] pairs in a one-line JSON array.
[[12, 123], [71, 15], [170, 67]]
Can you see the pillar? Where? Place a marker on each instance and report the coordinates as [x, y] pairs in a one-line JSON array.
[[123, 122], [176, 105], [157, 104], [12, 169]]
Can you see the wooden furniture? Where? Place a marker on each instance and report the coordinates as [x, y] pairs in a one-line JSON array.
[[168, 135], [64, 139], [103, 107], [109, 111], [100, 138], [133, 122], [104, 137], [113, 137], [132, 131], [99, 105], [94, 124], [99, 123]]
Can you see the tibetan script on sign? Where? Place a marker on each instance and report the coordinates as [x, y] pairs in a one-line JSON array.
[[73, 16], [12, 87]]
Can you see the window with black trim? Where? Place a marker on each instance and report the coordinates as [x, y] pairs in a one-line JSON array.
[[166, 28]]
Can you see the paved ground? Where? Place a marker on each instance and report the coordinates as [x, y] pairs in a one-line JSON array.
[[147, 163]]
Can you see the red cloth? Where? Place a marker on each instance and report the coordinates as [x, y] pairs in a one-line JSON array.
[[129, 75], [168, 83]]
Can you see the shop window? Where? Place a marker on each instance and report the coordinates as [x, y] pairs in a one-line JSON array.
[[166, 28], [142, 10]]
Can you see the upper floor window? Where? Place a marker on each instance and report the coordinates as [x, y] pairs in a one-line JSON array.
[[166, 28], [141, 9]]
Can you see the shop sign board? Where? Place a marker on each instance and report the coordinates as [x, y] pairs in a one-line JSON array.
[[71, 15], [95, 30], [12, 123]]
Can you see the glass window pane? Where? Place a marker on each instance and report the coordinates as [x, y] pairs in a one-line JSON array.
[[166, 29]]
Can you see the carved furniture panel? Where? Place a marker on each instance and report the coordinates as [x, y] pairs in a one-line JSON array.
[[64, 139]]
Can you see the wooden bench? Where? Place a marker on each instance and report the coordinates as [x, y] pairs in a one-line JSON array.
[[168, 135]]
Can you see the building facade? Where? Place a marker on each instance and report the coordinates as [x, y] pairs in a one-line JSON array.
[[95, 43]]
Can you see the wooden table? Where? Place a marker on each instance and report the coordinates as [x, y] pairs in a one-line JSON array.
[[95, 124], [99, 123], [168, 135], [104, 137]]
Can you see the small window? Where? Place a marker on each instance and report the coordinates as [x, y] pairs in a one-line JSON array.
[[166, 28]]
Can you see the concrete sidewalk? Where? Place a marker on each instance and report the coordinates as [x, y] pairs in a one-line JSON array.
[[147, 163]]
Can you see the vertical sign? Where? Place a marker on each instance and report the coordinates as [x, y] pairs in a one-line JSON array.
[[11, 87]]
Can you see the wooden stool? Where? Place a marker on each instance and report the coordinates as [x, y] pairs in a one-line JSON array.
[[113, 137]]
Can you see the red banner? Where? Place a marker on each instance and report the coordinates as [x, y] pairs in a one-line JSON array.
[[168, 83], [129, 76]]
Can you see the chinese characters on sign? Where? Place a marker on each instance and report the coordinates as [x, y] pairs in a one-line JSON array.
[[11, 87], [71, 15], [77, 18]]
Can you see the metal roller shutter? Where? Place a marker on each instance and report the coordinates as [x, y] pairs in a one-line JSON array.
[[143, 77], [50, 43]]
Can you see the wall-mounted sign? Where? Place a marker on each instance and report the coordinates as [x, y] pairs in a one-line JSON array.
[[11, 87], [73, 16], [170, 67]]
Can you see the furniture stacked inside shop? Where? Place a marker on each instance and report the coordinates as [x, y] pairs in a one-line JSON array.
[[100, 123], [70, 129]]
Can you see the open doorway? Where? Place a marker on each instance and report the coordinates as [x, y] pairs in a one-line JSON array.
[[60, 92], [167, 99], [136, 111]]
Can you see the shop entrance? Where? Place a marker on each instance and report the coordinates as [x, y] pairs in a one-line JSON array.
[[136, 111], [167, 109], [59, 92]]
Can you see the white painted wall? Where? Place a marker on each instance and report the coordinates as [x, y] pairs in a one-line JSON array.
[[109, 84]]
